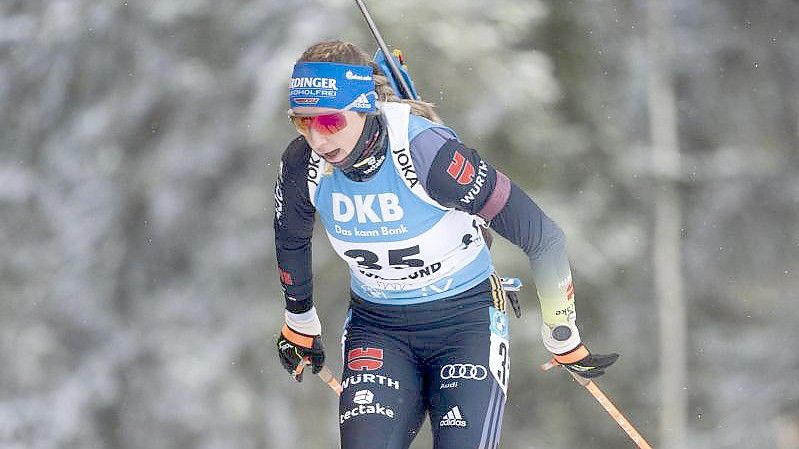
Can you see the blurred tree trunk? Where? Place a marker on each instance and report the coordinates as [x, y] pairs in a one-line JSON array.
[[666, 251]]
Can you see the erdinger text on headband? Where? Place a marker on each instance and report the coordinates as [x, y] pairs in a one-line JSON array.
[[316, 86]]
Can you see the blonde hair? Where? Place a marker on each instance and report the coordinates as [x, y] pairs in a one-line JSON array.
[[348, 53]]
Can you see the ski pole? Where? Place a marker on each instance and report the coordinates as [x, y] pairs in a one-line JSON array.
[[406, 91], [606, 404], [325, 374], [327, 377]]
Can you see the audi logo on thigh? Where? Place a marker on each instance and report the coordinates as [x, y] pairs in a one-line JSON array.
[[463, 371]]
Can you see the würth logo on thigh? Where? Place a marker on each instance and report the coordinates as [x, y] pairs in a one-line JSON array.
[[365, 359]]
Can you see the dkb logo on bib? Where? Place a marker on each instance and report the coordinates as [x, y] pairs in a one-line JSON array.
[[362, 207]]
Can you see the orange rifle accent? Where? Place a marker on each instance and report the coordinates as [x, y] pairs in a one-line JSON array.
[[606, 404]]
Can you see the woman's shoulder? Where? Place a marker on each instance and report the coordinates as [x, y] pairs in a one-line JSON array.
[[296, 155], [418, 125], [427, 141]]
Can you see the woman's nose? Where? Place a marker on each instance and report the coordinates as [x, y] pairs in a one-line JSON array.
[[315, 138]]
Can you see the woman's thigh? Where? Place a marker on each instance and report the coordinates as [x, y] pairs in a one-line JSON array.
[[469, 380], [381, 405]]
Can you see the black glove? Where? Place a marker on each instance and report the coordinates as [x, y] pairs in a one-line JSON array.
[[580, 361], [296, 350]]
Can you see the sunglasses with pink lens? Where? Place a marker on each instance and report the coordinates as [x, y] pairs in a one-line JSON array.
[[325, 124]]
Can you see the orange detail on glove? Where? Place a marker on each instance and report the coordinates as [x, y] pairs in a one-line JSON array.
[[575, 355], [297, 338]]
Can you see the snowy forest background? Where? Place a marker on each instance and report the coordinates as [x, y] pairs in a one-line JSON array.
[[139, 143]]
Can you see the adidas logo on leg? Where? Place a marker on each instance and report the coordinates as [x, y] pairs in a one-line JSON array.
[[453, 418]]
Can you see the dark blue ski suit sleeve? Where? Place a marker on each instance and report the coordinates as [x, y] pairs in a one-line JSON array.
[[294, 221], [458, 177]]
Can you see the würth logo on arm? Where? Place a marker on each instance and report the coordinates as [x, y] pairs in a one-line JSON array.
[[461, 170], [365, 359]]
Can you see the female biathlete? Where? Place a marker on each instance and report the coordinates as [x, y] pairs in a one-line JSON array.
[[402, 200]]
